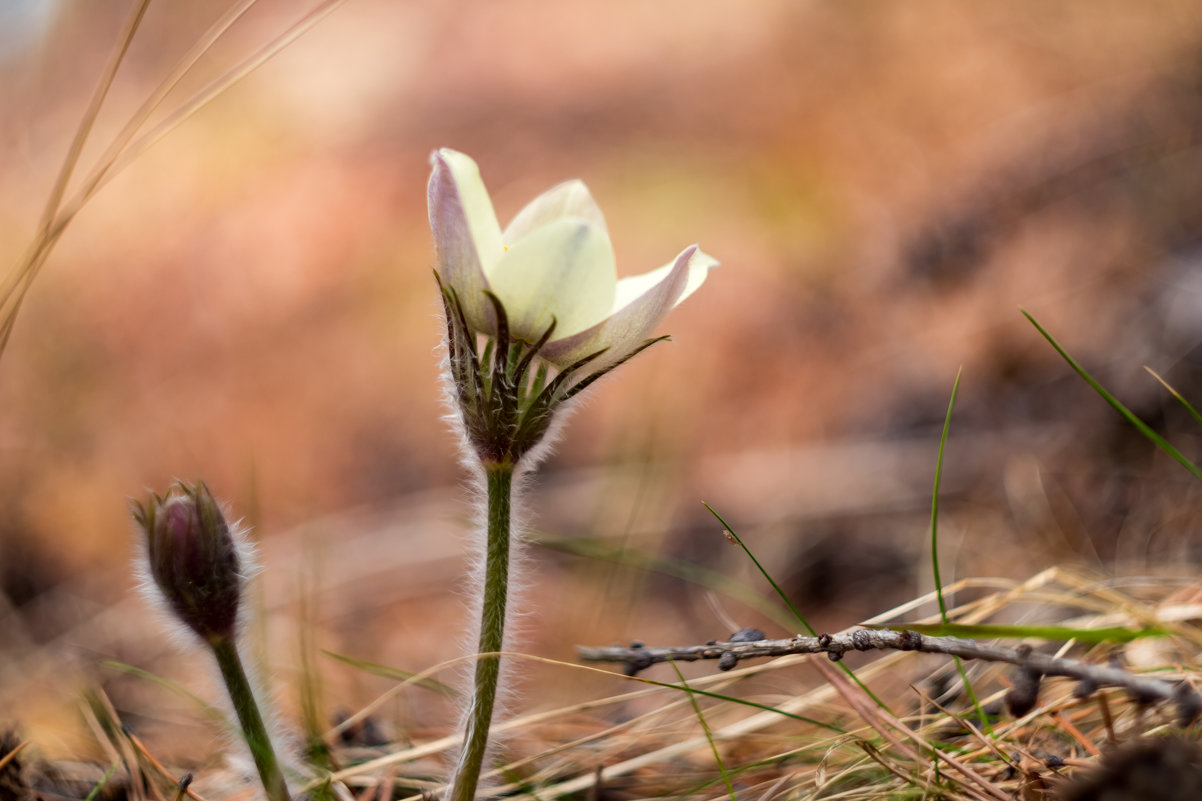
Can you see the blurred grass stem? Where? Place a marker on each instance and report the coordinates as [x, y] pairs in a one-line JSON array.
[[492, 631], [124, 149], [17, 283], [89, 117]]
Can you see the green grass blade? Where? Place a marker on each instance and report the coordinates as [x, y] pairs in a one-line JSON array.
[[311, 688], [710, 579], [947, 424], [1196, 414], [739, 541], [211, 712], [709, 735], [104, 780], [665, 685], [739, 701], [395, 674], [796, 613], [1143, 427]]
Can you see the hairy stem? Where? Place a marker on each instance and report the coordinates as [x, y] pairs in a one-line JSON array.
[[492, 632], [250, 718]]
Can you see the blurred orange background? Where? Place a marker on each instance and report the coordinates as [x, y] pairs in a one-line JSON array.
[[251, 303]]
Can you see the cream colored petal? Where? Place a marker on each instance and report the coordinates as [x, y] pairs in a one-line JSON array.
[[636, 313], [467, 236], [630, 288], [569, 199], [700, 265], [563, 270]]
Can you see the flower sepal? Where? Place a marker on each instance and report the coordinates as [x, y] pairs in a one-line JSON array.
[[506, 395]]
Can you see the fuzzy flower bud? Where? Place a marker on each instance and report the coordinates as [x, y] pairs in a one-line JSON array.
[[193, 558]]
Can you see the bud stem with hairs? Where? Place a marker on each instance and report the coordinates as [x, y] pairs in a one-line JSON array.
[[197, 568], [250, 718]]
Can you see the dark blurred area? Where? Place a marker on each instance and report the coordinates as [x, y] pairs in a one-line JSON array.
[[251, 303]]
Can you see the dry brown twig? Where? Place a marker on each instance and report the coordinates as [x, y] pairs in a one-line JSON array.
[[1031, 666]]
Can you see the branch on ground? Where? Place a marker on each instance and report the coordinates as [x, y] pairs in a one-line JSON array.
[[1030, 666]]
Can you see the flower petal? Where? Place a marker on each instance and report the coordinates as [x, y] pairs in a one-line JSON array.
[[467, 236], [630, 288], [568, 199], [640, 303], [563, 270]]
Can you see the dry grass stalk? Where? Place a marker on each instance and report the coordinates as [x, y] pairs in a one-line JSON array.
[[929, 744]]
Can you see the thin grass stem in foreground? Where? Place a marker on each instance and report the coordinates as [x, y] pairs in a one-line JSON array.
[[947, 424], [1180, 399], [104, 780], [596, 548], [739, 541], [709, 734]]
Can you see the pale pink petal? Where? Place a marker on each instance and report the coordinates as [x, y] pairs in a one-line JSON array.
[[637, 318], [467, 237], [568, 199]]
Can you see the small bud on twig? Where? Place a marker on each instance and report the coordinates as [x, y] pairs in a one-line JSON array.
[[1189, 704], [1024, 692]]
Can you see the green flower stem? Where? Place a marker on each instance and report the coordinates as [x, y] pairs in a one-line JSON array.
[[492, 631], [249, 717]]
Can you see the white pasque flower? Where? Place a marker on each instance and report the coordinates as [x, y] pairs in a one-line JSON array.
[[553, 261]]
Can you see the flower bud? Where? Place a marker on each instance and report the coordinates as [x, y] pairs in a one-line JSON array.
[[193, 558]]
